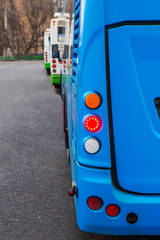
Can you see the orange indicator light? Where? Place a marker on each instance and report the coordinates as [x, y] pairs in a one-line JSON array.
[[93, 100]]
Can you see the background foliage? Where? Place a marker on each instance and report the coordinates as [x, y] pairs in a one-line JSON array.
[[22, 24]]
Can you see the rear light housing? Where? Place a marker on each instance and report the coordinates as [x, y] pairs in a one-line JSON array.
[[93, 123], [92, 145], [94, 203], [113, 210], [93, 100]]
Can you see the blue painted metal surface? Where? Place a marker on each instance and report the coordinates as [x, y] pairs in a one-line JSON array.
[[134, 60], [135, 54]]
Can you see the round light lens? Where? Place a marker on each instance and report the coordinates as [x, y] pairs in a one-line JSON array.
[[93, 123], [54, 66], [113, 210], [53, 61], [92, 146], [95, 203], [93, 100]]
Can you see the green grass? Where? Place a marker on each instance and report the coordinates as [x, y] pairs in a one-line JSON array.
[[22, 58]]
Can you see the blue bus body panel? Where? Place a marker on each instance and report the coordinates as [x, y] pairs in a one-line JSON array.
[[134, 53], [131, 10], [92, 77]]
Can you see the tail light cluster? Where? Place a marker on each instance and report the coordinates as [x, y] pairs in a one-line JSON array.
[[93, 122], [64, 64], [46, 57], [96, 203], [54, 65]]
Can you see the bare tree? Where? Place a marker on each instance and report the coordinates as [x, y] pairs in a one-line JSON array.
[[70, 7], [36, 15], [57, 5], [15, 30], [26, 23], [2, 30]]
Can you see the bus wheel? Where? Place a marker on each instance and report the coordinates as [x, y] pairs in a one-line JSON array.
[[66, 138], [57, 85], [64, 120], [68, 155], [48, 70], [65, 113]]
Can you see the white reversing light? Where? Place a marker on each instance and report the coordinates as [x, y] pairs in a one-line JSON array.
[[92, 145]]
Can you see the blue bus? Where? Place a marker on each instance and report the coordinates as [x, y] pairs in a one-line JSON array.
[[112, 116]]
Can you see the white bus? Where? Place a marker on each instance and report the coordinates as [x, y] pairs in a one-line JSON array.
[[47, 37], [67, 63], [59, 26]]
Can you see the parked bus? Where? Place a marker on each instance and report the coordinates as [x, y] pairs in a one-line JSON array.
[[67, 61], [112, 116], [47, 39], [59, 45]]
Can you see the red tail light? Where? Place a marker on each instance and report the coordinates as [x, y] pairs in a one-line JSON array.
[[95, 203], [93, 123], [54, 66], [113, 210]]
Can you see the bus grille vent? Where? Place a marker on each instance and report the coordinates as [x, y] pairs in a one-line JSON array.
[[76, 40]]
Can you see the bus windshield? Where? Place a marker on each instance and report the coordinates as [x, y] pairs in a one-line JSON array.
[[61, 34]]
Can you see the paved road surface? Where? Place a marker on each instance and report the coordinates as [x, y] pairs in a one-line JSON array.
[[34, 173]]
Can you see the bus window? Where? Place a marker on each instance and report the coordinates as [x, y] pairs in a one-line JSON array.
[[61, 34], [66, 52], [55, 53], [71, 49]]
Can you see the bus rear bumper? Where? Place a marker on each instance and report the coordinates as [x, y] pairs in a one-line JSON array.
[[56, 79], [47, 65], [97, 182]]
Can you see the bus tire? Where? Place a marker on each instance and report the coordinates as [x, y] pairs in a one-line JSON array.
[[68, 155], [64, 117], [66, 138], [57, 85], [65, 111], [48, 70]]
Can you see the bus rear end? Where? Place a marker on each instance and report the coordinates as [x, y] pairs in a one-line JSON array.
[[55, 56], [59, 39], [46, 50], [114, 132]]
